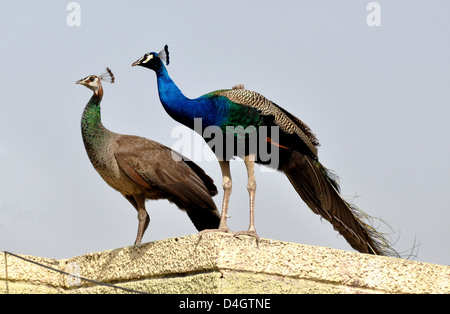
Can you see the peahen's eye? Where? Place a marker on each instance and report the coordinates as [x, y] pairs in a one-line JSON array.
[[92, 79]]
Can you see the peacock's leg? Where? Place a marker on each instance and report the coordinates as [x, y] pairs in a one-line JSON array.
[[227, 186], [226, 183], [251, 187]]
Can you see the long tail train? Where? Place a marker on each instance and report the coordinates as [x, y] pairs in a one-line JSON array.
[[319, 189]]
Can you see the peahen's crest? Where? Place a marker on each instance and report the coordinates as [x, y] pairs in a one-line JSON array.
[[108, 76]]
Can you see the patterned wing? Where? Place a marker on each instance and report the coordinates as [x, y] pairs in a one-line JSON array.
[[285, 120]]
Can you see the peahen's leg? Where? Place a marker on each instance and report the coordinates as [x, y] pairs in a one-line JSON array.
[[143, 217]]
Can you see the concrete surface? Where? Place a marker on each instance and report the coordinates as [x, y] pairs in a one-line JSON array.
[[222, 263]]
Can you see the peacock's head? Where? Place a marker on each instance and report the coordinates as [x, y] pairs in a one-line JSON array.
[[153, 60], [93, 82]]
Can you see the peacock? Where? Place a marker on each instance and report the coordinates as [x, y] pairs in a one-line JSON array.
[[243, 118], [142, 169]]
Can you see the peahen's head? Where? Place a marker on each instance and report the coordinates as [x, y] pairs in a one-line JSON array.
[[153, 60], [93, 82]]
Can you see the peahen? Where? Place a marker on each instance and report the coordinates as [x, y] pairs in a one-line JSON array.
[[142, 169], [242, 116]]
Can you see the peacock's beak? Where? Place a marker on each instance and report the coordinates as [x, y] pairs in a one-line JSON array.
[[143, 60]]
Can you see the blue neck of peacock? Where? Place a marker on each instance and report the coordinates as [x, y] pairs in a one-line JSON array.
[[175, 103], [182, 109]]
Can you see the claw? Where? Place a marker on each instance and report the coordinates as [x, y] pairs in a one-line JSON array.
[[220, 229], [250, 233]]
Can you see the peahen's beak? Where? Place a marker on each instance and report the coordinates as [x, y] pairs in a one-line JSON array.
[[79, 81]]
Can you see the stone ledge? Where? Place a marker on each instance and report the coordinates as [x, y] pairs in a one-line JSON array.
[[222, 263]]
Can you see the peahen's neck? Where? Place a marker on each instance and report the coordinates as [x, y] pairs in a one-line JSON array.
[[92, 129]]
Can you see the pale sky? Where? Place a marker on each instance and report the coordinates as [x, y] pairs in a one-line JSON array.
[[377, 97]]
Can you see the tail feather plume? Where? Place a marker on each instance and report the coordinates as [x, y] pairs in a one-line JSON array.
[[204, 218], [319, 189]]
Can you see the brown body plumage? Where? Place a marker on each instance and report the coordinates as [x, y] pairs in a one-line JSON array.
[[142, 169]]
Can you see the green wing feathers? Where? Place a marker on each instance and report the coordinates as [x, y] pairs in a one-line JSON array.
[[286, 121], [316, 185]]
